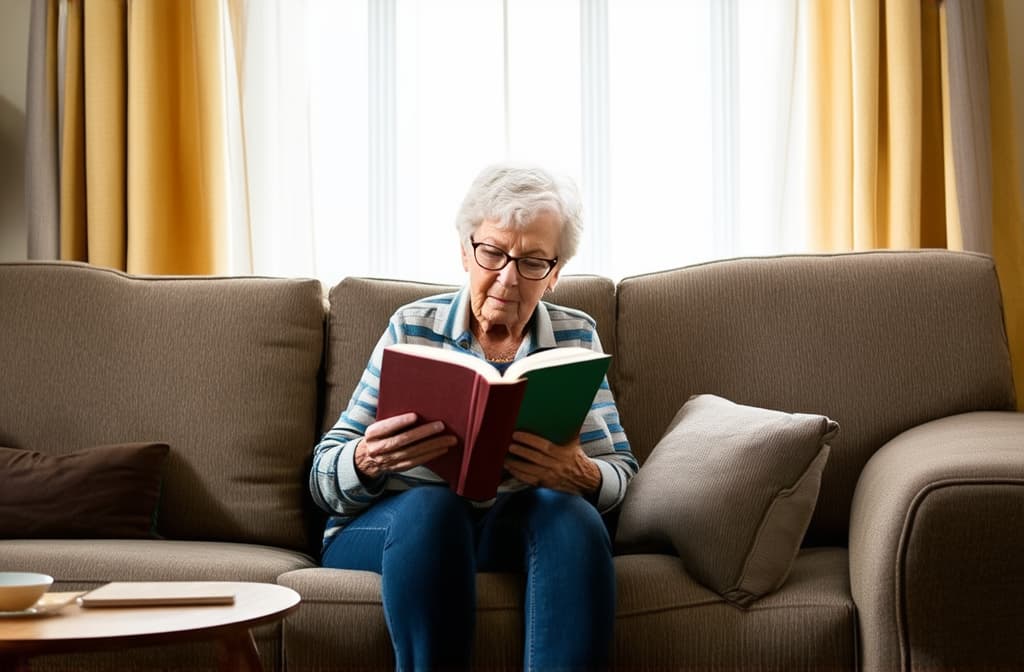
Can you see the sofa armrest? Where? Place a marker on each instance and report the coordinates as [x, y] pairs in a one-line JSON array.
[[936, 541]]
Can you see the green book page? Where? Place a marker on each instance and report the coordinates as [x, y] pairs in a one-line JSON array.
[[558, 398]]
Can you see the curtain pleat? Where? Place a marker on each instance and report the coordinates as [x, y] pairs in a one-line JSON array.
[[73, 241], [105, 51], [176, 159], [126, 152], [970, 122], [874, 147], [933, 139], [898, 219], [41, 162], [1007, 209]]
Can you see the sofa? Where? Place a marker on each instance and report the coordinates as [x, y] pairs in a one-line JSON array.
[[910, 561]]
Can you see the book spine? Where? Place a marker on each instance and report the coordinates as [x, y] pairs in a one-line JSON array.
[[484, 461], [474, 420]]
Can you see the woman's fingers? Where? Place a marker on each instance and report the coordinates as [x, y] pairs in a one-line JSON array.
[[390, 443], [410, 449], [420, 453], [397, 443], [388, 426]]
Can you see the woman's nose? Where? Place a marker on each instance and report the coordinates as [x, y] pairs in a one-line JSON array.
[[509, 276]]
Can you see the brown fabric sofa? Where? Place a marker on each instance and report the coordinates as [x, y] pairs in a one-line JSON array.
[[911, 561]]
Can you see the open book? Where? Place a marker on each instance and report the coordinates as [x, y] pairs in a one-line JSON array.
[[547, 393]]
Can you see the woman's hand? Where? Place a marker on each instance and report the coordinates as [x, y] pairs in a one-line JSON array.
[[398, 443], [540, 463]]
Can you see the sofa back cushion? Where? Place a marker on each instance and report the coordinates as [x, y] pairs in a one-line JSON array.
[[223, 370], [878, 341], [361, 308]]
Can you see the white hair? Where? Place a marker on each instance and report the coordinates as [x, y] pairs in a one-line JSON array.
[[514, 195]]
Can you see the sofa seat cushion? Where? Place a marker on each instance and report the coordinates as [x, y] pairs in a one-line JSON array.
[[340, 623], [666, 620], [81, 564]]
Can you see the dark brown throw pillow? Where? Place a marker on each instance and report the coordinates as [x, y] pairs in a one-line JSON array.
[[100, 492]]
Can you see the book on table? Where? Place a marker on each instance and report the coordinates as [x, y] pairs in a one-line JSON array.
[[158, 593], [547, 393]]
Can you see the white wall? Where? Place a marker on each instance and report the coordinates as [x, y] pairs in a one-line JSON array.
[[14, 20]]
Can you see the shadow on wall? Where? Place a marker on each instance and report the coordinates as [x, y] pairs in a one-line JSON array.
[[13, 225]]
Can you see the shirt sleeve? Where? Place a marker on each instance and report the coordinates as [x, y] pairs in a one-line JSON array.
[[334, 482], [604, 441]]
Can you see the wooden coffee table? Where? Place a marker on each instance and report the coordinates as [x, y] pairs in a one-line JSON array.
[[76, 629]]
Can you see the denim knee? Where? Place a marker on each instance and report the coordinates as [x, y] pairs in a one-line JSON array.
[[430, 516], [566, 515]]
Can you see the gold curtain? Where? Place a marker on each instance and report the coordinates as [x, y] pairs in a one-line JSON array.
[[141, 150], [885, 159], [1007, 208]]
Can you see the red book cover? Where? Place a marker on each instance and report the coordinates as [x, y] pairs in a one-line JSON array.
[[480, 413], [547, 393]]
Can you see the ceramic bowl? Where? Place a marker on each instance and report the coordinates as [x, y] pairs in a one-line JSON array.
[[20, 590]]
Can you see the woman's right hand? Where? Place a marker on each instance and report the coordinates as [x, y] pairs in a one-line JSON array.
[[398, 444]]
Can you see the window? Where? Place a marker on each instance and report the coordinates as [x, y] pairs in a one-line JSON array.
[[365, 121]]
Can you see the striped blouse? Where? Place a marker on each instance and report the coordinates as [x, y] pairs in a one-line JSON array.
[[443, 321]]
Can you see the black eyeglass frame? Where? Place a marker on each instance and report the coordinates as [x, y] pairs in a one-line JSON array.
[[508, 258]]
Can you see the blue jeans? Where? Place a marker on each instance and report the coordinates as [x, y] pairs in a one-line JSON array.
[[428, 544]]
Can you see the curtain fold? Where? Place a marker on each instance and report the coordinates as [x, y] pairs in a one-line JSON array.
[[127, 163], [41, 160], [105, 49], [874, 124], [969, 114], [911, 136], [1007, 208]]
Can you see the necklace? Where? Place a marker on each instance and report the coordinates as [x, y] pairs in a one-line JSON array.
[[503, 356]]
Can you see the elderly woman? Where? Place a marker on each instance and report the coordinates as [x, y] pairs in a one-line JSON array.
[[517, 227]]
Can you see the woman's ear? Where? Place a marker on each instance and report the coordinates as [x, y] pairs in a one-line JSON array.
[[553, 279], [465, 257]]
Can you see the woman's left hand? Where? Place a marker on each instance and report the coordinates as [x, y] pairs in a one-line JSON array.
[[541, 463]]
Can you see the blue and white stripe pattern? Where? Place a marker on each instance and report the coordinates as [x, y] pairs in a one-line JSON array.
[[443, 321]]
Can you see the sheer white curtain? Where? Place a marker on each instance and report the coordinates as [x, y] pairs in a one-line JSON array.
[[366, 120]]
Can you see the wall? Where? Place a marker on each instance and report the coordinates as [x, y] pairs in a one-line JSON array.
[[14, 20]]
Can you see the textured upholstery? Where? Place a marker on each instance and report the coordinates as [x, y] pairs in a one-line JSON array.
[[81, 564], [224, 370], [936, 541], [879, 342], [906, 350], [666, 620]]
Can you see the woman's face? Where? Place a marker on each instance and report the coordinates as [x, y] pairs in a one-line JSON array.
[[505, 299]]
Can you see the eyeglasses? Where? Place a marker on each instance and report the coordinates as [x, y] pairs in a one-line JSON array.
[[494, 258]]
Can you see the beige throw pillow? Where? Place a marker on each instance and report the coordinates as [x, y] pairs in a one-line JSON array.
[[731, 489]]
